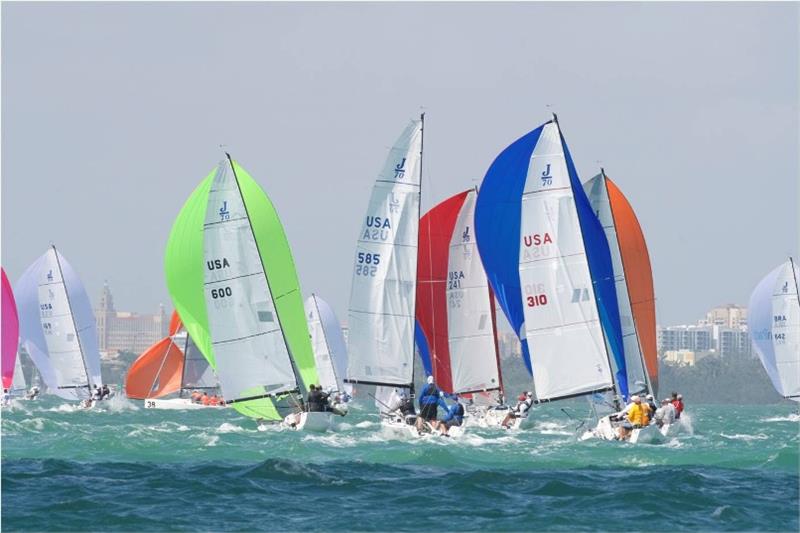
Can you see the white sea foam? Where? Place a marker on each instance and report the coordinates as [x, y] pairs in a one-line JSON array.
[[745, 437], [793, 417]]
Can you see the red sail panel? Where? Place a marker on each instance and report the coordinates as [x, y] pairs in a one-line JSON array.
[[157, 372], [638, 274], [175, 323], [435, 232]]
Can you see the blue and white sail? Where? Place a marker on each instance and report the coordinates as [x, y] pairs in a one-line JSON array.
[[57, 326], [548, 261], [773, 319]]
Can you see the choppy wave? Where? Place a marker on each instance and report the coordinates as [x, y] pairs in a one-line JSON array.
[[144, 469]]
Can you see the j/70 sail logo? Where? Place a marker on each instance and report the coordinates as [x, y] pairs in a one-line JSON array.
[[50, 275], [224, 214], [400, 169], [547, 178], [465, 237], [785, 288]]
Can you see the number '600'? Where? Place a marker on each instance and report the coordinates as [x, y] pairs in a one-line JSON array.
[[221, 293]]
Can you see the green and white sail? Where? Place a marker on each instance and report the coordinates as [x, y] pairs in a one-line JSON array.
[[232, 279]]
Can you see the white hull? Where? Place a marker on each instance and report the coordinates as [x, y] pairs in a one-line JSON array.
[[394, 427], [493, 417], [176, 403], [605, 430], [315, 421]]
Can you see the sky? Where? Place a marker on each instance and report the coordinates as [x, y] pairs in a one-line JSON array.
[[113, 113]]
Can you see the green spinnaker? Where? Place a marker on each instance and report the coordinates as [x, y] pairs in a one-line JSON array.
[[184, 263]]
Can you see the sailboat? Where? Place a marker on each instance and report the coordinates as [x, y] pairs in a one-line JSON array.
[[455, 309], [633, 280], [773, 319], [330, 349], [231, 276], [13, 378], [173, 364], [57, 327], [383, 293], [548, 262]]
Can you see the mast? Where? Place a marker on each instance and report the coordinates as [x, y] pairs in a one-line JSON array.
[[647, 381], [74, 325], [266, 278], [416, 267]]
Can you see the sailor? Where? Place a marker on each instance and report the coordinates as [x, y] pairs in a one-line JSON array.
[[6, 397], [406, 409], [315, 399], [213, 401], [453, 417], [106, 392], [204, 399], [677, 402], [196, 396], [665, 414], [651, 402], [524, 403], [639, 413], [325, 396], [33, 393], [96, 394], [429, 401]]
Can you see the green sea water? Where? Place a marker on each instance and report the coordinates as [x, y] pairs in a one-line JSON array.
[[125, 468]]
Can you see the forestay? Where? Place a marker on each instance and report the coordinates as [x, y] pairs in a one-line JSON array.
[[249, 348], [773, 318], [382, 298]]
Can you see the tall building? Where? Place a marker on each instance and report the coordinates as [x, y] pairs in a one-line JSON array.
[[121, 331], [729, 315], [723, 331]]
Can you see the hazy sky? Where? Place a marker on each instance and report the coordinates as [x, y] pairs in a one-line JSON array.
[[112, 113]]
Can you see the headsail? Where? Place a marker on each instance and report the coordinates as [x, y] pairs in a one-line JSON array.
[[330, 350], [455, 308], [382, 298], [773, 319], [58, 326], [10, 333], [633, 278], [232, 278], [547, 259]]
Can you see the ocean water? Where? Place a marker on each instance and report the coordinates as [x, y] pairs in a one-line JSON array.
[[124, 468]]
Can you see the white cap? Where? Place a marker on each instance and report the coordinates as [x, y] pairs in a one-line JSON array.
[[430, 380], [635, 398], [680, 396], [529, 394], [649, 396]]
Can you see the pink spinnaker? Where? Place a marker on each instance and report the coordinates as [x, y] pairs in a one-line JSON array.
[[10, 331]]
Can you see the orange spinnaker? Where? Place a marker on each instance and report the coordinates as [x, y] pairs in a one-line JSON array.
[[175, 323], [638, 274], [157, 372]]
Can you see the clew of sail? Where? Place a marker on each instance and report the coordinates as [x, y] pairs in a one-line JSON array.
[[773, 319], [382, 298], [633, 279], [10, 333], [549, 265]]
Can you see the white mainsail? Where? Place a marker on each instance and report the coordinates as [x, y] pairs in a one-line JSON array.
[[382, 298], [638, 380], [328, 343], [773, 319], [562, 326], [473, 352], [18, 383], [250, 351]]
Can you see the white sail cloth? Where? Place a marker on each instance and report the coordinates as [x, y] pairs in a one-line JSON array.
[[773, 319], [562, 326], [330, 351], [57, 326], [249, 348], [473, 354], [382, 298]]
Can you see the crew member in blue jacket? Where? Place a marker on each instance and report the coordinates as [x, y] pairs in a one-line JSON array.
[[453, 417], [429, 401]]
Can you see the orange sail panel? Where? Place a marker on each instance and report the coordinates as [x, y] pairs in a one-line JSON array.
[[175, 323], [157, 372], [639, 276]]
